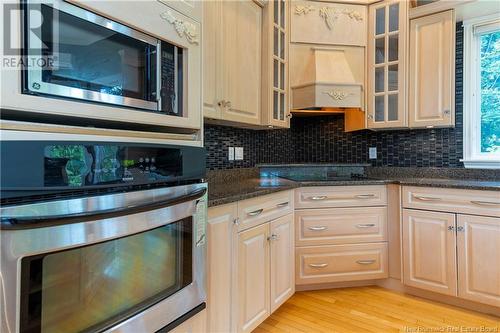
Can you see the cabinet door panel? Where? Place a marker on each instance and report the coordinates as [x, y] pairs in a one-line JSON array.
[[432, 70], [253, 288], [241, 47], [429, 250], [282, 261], [478, 259], [211, 68], [220, 234]]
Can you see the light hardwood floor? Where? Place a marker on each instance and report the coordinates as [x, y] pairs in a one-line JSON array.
[[371, 309]]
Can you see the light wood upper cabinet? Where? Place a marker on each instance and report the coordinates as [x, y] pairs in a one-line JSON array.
[[232, 61], [221, 235], [432, 70], [327, 23], [387, 42], [211, 66], [478, 259], [429, 251], [275, 81], [253, 289], [282, 260]]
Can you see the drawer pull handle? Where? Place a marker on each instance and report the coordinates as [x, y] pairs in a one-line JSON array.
[[419, 197], [365, 262], [283, 204], [367, 225], [365, 196], [318, 265], [318, 197], [485, 203], [318, 228], [256, 212]]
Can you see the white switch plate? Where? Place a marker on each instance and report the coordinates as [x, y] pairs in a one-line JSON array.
[[372, 153], [238, 153], [231, 154]]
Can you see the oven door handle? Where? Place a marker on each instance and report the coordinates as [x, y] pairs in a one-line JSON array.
[[30, 222]]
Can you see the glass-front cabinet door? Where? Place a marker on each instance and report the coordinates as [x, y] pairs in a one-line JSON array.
[[275, 96], [387, 64]]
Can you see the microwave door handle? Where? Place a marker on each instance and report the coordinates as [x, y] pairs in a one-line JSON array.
[[45, 221]]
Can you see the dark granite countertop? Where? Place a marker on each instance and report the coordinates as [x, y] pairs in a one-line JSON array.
[[235, 185], [220, 193]]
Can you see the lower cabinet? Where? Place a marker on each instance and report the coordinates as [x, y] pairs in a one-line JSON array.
[[452, 254], [251, 271], [478, 240], [429, 251], [265, 271]]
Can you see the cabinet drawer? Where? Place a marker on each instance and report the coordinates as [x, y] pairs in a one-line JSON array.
[[265, 208], [452, 200], [340, 196], [336, 263], [340, 226]]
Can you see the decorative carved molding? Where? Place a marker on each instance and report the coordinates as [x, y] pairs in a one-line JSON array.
[[337, 95], [304, 10], [183, 28], [330, 15]]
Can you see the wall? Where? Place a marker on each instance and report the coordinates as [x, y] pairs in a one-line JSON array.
[[322, 139]]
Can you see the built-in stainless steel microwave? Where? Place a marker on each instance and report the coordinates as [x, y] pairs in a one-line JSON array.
[[91, 58]]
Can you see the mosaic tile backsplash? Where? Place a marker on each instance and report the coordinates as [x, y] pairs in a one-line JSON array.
[[322, 139]]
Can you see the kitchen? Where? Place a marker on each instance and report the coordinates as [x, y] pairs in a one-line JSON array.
[[250, 166]]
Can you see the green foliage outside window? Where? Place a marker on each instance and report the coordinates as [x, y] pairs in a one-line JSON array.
[[490, 92]]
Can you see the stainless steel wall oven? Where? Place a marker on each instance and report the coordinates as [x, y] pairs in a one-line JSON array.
[[101, 236]]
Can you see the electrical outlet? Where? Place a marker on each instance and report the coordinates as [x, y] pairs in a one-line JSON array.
[[231, 154], [238, 153], [372, 153]]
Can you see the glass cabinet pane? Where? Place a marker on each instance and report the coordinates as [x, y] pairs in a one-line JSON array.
[[379, 108], [282, 76], [380, 21], [393, 48], [276, 43], [276, 11], [275, 71], [282, 14], [392, 76], [379, 50], [282, 106], [392, 107], [379, 79], [282, 45], [394, 17], [275, 105]]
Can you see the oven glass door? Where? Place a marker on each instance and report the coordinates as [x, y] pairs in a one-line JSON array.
[[94, 287], [86, 56]]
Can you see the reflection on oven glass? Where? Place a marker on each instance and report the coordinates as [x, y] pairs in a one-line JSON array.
[[85, 287]]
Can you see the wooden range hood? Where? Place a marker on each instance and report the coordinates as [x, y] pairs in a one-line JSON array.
[[327, 86]]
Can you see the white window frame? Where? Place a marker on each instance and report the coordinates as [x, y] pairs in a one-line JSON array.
[[473, 29]]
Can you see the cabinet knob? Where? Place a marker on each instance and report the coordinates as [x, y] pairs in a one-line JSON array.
[[451, 228], [370, 116], [221, 103], [236, 221], [447, 112], [273, 237]]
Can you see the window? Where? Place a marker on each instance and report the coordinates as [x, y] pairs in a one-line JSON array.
[[482, 93]]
